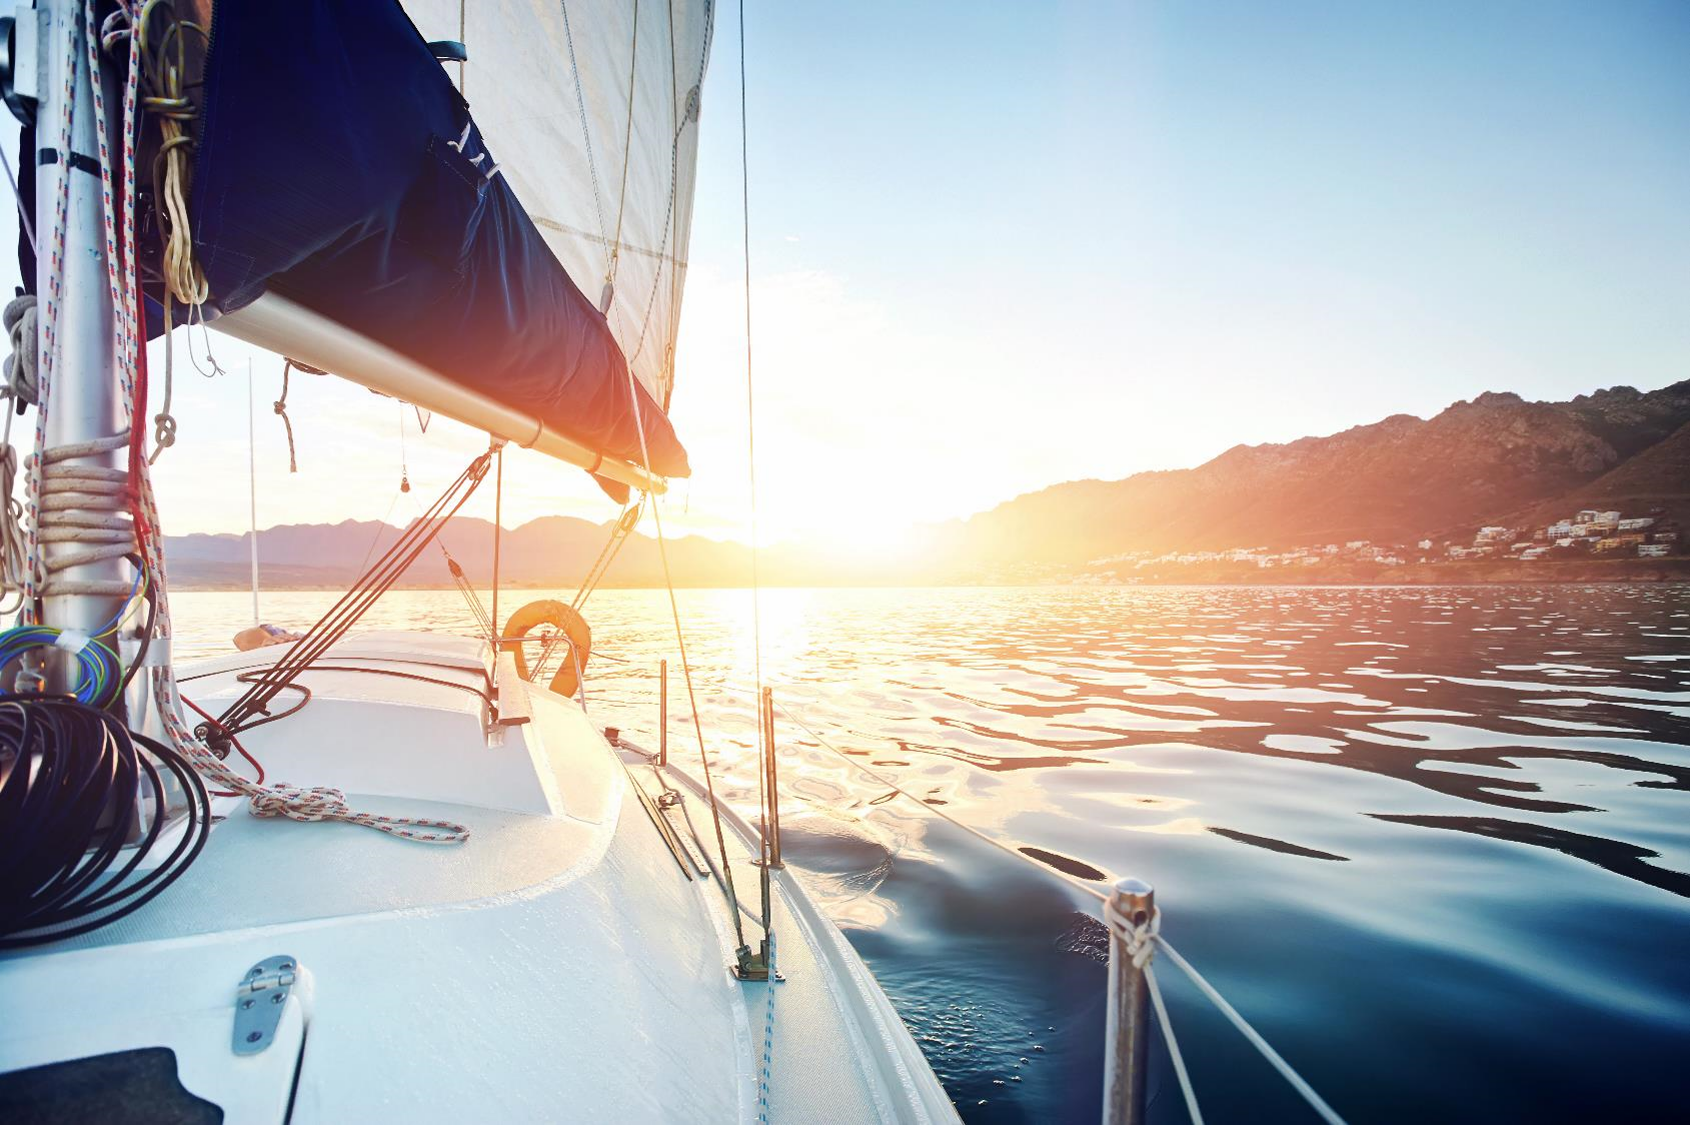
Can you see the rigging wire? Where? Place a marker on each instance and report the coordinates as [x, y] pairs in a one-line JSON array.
[[23, 212], [357, 601], [751, 433], [498, 533], [657, 516]]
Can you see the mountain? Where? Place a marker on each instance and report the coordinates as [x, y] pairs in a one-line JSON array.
[[551, 551], [1397, 480], [1497, 459]]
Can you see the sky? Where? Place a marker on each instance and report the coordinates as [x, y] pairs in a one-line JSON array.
[[997, 246]]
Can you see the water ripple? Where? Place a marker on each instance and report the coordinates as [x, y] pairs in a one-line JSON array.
[[1411, 832]]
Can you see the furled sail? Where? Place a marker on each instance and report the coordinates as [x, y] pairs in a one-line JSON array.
[[528, 242]]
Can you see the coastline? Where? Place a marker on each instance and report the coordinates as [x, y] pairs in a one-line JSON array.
[[1474, 573]]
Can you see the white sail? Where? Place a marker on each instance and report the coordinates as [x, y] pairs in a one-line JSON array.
[[591, 109]]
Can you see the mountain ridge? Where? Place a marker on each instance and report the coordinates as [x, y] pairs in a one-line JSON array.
[[1398, 479], [1496, 458]]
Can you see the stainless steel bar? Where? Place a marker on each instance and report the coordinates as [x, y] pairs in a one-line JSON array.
[[662, 713], [1126, 1075], [772, 770]]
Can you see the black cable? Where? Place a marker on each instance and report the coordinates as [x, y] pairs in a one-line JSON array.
[[396, 673], [252, 677], [273, 716], [72, 783]]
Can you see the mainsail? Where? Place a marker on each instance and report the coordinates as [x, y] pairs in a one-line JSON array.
[[525, 239]]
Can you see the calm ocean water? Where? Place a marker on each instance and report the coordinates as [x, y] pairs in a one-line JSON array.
[[1434, 843]]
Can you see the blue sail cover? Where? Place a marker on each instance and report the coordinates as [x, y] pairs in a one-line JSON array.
[[328, 170]]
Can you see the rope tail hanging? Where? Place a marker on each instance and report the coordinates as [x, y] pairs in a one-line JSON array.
[[159, 61], [281, 409]]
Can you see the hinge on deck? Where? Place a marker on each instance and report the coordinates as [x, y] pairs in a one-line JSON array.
[[259, 1000]]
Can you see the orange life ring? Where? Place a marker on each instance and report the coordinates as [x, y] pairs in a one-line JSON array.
[[560, 616]]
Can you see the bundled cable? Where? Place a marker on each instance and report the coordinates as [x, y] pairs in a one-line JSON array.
[[97, 668], [74, 787]]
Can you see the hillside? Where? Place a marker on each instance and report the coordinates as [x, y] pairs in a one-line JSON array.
[[1392, 481], [1497, 459], [552, 551]]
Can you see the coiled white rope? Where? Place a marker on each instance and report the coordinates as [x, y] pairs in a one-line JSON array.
[[20, 319], [82, 504]]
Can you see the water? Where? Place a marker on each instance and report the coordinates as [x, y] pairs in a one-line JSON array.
[[1434, 843]]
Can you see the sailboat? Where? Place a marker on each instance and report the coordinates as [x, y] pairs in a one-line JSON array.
[[376, 874]]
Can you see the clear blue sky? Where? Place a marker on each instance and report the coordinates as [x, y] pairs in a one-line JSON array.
[[997, 246]]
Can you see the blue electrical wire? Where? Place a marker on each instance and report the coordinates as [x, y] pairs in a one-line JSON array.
[[99, 673], [97, 666], [123, 609]]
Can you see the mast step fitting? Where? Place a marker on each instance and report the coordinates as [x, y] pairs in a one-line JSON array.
[[259, 1000]]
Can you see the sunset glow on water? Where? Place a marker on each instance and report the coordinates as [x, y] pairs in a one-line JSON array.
[[1410, 833]]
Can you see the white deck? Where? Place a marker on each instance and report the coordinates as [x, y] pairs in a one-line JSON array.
[[559, 965]]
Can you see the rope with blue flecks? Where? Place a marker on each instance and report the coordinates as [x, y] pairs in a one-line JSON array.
[[768, 1039]]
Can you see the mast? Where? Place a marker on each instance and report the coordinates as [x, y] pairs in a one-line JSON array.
[[85, 404]]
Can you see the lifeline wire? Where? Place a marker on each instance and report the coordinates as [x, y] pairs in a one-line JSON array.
[[1251, 1035]]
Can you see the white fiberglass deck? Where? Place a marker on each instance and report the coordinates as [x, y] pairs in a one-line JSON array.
[[560, 965]]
